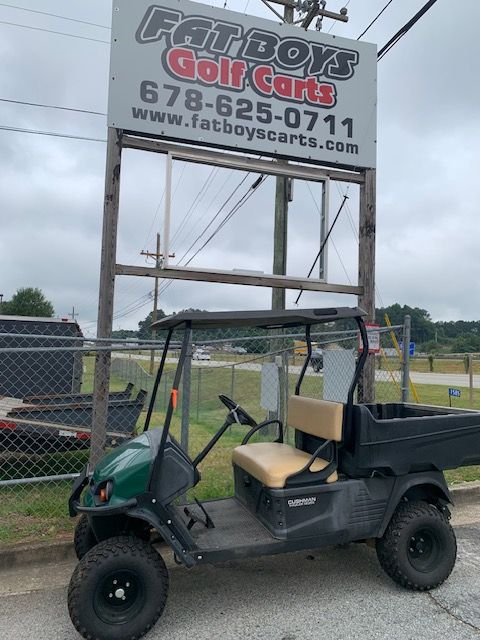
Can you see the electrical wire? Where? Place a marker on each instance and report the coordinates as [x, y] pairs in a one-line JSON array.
[[54, 15], [196, 201], [214, 218], [194, 228], [405, 29], [58, 33], [52, 106], [225, 220], [334, 22], [324, 243], [51, 134], [375, 19], [331, 239]]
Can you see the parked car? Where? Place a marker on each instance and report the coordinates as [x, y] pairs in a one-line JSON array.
[[200, 354], [317, 360], [239, 350]]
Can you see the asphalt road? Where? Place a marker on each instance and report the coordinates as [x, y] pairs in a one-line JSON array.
[[442, 379], [338, 593]]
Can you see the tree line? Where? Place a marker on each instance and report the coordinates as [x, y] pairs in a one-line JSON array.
[[454, 336]]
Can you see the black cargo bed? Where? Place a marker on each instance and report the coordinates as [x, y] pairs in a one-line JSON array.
[[397, 439]]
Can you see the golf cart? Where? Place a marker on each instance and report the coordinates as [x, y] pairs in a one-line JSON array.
[[356, 473]]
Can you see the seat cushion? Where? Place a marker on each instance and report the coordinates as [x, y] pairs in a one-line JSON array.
[[271, 462]]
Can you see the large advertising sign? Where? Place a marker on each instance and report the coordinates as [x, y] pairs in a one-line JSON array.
[[193, 73]]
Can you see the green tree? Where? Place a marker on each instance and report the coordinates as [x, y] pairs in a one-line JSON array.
[[29, 301], [423, 328], [145, 326]]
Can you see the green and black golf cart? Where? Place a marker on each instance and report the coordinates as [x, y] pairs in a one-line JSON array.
[[356, 472]]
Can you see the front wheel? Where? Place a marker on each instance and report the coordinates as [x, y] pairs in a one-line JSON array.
[[84, 539], [419, 548], [118, 590]]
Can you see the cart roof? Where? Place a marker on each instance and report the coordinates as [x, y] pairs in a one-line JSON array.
[[260, 319]]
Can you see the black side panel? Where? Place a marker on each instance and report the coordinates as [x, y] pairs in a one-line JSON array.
[[349, 509], [173, 474], [397, 440]]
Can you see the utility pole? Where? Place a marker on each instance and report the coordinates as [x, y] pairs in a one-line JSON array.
[[283, 192], [158, 261], [281, 217], [158, 264], [73, 315]]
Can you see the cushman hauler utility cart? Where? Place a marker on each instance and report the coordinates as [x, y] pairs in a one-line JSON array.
[[356, 473]]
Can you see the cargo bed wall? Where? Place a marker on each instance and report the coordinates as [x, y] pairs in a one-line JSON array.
[[419, 439]]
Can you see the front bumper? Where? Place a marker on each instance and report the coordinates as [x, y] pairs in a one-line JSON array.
[[78, 486]]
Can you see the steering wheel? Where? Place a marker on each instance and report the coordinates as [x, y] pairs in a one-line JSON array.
[[239, 414]]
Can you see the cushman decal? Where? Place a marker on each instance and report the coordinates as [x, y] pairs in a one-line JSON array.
[[302, 502]]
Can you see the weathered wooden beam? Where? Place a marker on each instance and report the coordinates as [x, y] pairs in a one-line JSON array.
[[237, 277], [106, 293], [242, 163], [366, 274]]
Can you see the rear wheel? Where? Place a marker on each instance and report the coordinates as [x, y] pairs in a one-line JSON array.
[[419, 548], [118, 590], [84, 539]]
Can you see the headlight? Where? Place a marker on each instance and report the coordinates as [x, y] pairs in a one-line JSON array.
[[103, 491]]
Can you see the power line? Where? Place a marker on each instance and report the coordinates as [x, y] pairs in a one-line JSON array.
[[331, 239], [334, 22], [193, 230], [324, 243], [196, 201], [226, 219], [375, 19], [52, 106], [405, 29], [52, 134], [58, 33], [54, 15], [214, 217]]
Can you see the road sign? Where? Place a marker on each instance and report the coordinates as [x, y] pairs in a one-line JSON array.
[[193, 73], [411, 349], [455, 393]]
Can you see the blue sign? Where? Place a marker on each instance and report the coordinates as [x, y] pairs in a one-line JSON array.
[[456, 393], [411, 349]]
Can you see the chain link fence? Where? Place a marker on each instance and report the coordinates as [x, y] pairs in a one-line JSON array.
[[46, 403]]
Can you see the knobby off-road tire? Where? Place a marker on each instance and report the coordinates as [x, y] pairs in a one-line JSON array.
[[84, 539], [419, 548], [118, 590]]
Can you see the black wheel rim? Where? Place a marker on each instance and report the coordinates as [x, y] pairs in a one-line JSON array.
[[424, 550], [119, 597]]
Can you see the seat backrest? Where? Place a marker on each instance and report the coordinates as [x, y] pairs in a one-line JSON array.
[[320, 418]]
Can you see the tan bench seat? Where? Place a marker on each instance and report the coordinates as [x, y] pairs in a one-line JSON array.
[[271, 462]]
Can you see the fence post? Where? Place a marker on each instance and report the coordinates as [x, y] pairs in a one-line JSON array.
[[470, 380], [407, 327], [232, 384], [199, 387]]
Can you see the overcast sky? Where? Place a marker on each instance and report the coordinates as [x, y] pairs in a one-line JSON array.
[[51, 189]]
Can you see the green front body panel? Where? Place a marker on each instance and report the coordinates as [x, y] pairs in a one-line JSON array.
[[128, 466]]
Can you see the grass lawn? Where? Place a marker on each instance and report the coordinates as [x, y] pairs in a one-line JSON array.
[[34, 512]]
